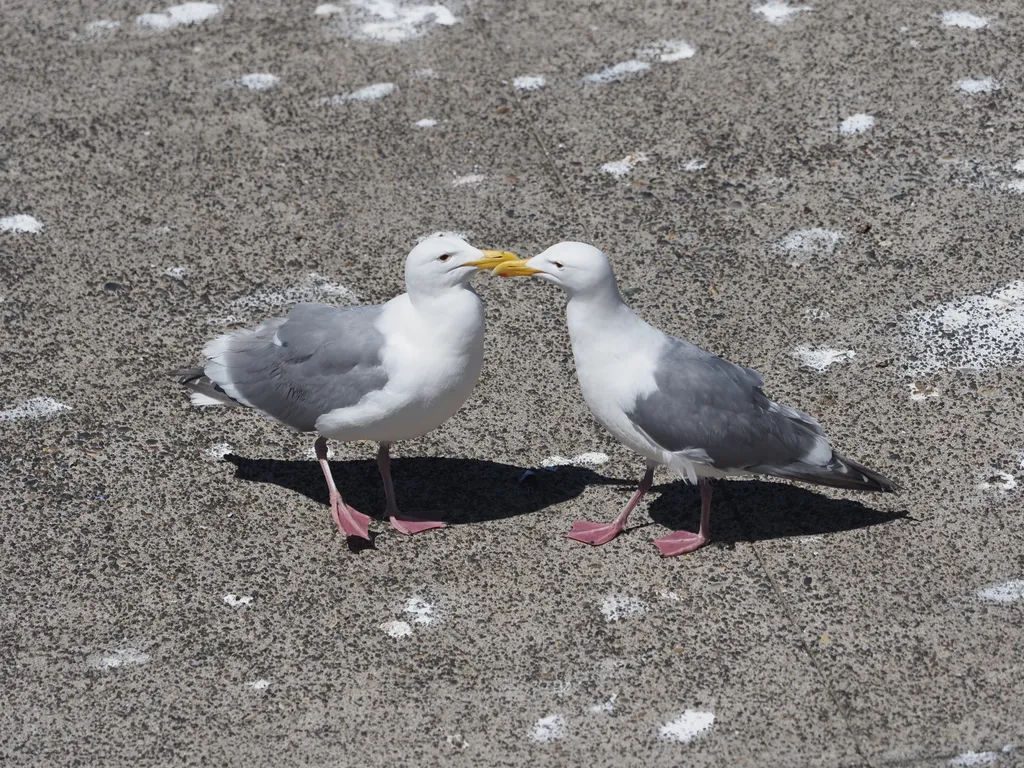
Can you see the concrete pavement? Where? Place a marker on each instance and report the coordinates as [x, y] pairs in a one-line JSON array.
[[174, 590]]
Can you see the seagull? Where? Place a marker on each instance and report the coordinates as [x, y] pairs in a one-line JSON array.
[[676, 404], [383, 373]]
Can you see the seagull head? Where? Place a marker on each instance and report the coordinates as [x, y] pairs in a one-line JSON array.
[[577, 268], [444, 260]]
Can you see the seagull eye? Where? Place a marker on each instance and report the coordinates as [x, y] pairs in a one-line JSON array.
[[444, 257], [559, 264]]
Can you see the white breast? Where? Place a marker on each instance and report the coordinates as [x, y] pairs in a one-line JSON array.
[[615, 360], [616, 355], [433, 363]]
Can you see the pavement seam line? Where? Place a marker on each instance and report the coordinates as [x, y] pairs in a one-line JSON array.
[[535, 132], [826, 681]]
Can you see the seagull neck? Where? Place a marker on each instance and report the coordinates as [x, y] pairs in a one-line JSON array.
[[452, 308], [592, 312]]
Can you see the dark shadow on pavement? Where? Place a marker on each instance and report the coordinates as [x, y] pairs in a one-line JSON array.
[[458, 491], [759, 510]]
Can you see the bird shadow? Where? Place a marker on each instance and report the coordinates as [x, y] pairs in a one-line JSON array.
[[463, 491], [760, 510], [459, 491]]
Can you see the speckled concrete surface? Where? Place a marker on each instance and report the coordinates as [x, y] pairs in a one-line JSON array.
[[174, 590]]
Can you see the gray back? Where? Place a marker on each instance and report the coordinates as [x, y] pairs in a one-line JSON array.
[[705, 402], [326, 358]]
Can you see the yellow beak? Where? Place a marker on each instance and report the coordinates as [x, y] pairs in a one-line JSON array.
[[515, 268], [492, 259]]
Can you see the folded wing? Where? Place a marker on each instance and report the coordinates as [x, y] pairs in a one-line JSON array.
[[711, 409], [297, 368]]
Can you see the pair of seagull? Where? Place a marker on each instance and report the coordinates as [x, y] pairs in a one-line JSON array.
[[398, 370]]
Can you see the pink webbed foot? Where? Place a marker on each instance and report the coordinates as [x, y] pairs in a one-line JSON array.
[[410, 525], [350, 521], [595, 534], [679, 543]]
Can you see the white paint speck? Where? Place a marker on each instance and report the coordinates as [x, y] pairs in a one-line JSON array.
[[21, 222], [820, 358], [548, 729], [396, 629], [984, 85], [855, 124], [777, 12], [668, 51], [1015, 185], [619, 71], [975, 758], [122, 657], [179, 15], [469, 180], [426, 122], [258, 81], [218, 451], [420, 610], [809, 242], [314, 288], [815, 313], [237, 601], [1000, 481], [259, 685], [178, 273], [456, 740], [386, 21], [34, 408], [102, 25], [922, 390], [605, 707], [688, 726], [555, 461], [617, 608], [373, 92], [592, 459], [155, 21], [668, 595], [963, 19], [975, 332], [310, 452], [620, 168], [1007, 592], [529, 82], [696, 164]]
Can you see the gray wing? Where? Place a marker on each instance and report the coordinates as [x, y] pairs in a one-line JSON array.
[[297, 368], [708, 404]]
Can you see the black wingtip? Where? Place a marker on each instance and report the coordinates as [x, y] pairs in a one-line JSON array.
[[871, 480], [187, 375], [840, 472]]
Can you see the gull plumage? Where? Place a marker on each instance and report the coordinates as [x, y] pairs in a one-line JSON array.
[[384, 373], [676, 404]]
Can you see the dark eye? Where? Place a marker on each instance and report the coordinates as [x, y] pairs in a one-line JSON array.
[[559, 264], [444, 257]]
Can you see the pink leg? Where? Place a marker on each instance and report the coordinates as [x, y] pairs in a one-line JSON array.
[[596, 534], [400, 522], [680, 542], [350, 522]]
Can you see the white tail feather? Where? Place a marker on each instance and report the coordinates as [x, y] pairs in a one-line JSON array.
[[199, 399]]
